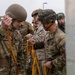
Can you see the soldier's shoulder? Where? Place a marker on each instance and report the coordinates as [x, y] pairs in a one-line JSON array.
[[60, 38], [2, 31], [27, 23], [60, 33]]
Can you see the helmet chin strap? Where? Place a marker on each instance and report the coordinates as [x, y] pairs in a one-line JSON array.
[[49, 26]]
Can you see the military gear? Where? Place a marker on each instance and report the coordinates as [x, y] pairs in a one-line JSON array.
[[16, 11], [55, 51], [38, 37], [35, 12], [25, 28], [60, 16], [7, 65], [46, 16], [39, 34]]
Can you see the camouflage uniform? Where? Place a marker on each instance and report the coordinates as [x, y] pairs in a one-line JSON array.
[[7, 65], [16, 17], [54, 43], [55, 51], [25, 28], [18, 44], [39, 35]]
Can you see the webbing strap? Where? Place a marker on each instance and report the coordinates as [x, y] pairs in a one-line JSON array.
[[12, 51], [45, 70], [35, 62]]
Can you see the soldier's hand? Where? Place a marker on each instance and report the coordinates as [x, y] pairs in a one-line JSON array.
[[6, 21], [28, 36], [48, 64], [31, 41]]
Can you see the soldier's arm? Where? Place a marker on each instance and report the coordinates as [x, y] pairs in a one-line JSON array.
[[37, 45], [18, 40], [1, 33], [40, 36], [30, 31], [60, 61]]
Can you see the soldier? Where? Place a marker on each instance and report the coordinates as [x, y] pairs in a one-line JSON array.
[[39, 34], [39, 31], [54, 43], [25, 29], [11, 39], [61, 21], [34, 21]]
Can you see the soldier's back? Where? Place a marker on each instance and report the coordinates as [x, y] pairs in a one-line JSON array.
[[26, 28]]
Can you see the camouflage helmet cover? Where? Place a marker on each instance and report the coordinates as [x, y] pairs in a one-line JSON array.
[[46, 16], [60, 16], [16, 11], [35, 12]]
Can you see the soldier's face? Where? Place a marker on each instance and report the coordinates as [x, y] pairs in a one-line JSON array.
[[61, 21], [35, 23], [16, 24], [46, 26]]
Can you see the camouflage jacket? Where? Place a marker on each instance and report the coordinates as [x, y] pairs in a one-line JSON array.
[[55, 48], [54, 44], [39, 35], [26, 28], [5, 53]]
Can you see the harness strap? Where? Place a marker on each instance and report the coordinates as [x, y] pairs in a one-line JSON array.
[[12, 51]]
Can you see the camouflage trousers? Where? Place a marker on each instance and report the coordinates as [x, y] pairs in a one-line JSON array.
[[29, 67], [6, 71], [41, 65], [7, 66], [21, 62], [64, 71], [56, 72], [52, 71]]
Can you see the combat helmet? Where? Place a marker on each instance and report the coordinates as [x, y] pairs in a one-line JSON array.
[[47, 16], [35, 12], [16, 11], [60, 16]]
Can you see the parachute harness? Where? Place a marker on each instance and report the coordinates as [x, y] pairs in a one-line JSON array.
[[35, 65], [12, 51]]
